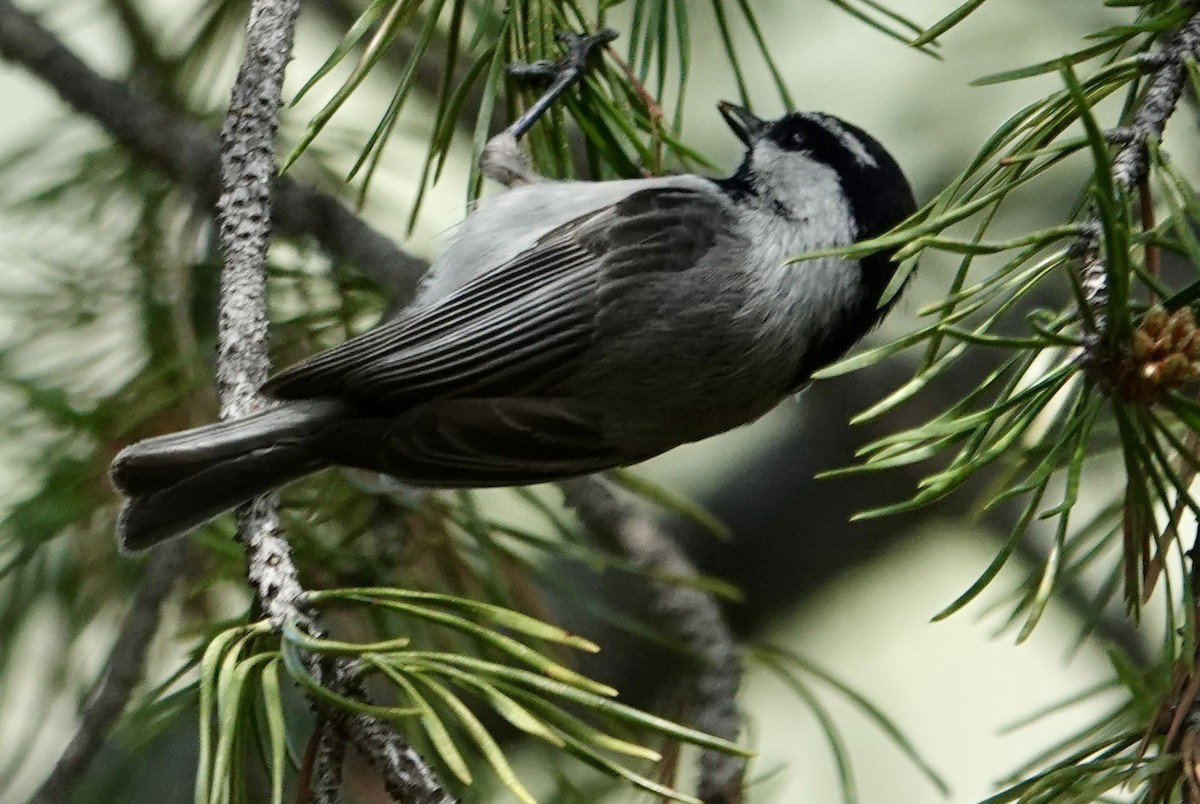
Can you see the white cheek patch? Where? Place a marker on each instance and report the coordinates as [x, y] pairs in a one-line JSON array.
[[850, 142], [810, 189], [811, 295]]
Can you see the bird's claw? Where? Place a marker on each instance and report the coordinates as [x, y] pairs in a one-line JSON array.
[[569, 68], [578, 48]]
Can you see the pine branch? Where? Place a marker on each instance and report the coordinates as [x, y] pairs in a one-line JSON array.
[[1130, 164], [405, 775], [327, 770], [123, 670], [685, 614], [244, 212]]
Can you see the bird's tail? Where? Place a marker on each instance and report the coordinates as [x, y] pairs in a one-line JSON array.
[[180, 481]]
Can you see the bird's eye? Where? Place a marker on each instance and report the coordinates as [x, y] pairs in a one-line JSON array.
[[790, 134], [791, 139]]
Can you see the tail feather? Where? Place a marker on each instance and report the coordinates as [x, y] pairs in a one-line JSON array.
[[178, 482]]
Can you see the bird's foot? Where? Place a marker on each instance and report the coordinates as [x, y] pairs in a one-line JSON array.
[[502, 159], [578, 49], [561, 74]]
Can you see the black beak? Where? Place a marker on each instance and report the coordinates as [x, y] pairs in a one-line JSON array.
[[744, 124]]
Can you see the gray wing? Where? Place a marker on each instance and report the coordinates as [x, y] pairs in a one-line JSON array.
[[474, 389], [519, 329], [501, 328]]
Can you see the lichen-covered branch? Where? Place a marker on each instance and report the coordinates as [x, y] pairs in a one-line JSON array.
[[685, 614], [327, 768], [1130, 163], [405, 775], [248, 168], [244, 216]]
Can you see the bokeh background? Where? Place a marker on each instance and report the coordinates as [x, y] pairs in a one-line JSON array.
[[856, 598]]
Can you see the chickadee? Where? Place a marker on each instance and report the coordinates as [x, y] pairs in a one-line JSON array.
[[569, 327]]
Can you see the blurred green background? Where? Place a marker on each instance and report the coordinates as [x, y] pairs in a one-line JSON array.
[[855, 598]]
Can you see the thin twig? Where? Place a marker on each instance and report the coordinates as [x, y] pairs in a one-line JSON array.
[[1146, 211], [685, 614], [654, 109], [122, 671], [1183, 733]]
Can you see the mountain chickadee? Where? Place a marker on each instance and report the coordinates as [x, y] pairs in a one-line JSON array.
[[569, 327]]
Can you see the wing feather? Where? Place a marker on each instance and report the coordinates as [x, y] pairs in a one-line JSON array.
[[470, 376], [547, 294]]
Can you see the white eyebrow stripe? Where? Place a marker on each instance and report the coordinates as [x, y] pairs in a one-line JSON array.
[[851, 142]]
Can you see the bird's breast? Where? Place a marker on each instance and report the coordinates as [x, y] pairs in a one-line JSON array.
[[803, 300]]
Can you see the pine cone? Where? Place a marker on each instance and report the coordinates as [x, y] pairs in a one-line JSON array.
[[1163, 355]]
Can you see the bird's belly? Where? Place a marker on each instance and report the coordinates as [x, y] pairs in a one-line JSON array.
[[652, 417], [672, 384]]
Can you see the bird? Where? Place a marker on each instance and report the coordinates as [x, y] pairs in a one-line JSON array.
[[569, 327]]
